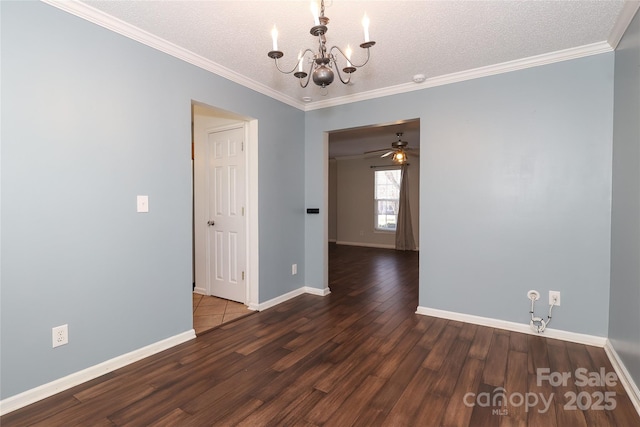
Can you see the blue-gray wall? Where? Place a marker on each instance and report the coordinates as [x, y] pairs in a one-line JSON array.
[[90, 119], [624, 309], [515, 190]]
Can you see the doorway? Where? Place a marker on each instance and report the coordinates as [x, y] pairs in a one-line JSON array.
[[225, 210], [355, 156]]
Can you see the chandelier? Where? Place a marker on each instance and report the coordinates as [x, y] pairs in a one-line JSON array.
[[322, 62]]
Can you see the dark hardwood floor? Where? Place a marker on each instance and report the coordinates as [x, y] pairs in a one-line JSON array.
[[360, 356]]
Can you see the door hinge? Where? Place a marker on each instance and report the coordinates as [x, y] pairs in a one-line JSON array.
[[242, 146], [243, 275], [243, 211]]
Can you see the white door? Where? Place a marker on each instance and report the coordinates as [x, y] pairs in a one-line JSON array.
[[225, 225]]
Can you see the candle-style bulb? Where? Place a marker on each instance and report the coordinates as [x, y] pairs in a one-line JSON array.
[[300, 61], [348, 54], [274, 36], [365, 25], [315, 13]]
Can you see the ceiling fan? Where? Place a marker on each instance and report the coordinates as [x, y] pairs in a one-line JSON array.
[[399, 149]]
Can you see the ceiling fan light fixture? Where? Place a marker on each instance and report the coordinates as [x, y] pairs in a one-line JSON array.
[[399, 156], [321, 62], [399, 152]]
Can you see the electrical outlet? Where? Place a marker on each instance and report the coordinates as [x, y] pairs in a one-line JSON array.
[[60, 335], [554, 298], [294, 269], [142, 204]]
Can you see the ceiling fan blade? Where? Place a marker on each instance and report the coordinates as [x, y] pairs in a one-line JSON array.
[[388, 153], [380, 150], [372, 155]]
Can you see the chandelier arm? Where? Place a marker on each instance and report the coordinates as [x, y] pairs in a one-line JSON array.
[[305, 83], [340, 75], [283, 71], [295, 67], [308, 74], [345, 56]]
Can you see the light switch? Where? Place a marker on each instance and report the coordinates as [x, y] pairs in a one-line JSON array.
[[143, 203]]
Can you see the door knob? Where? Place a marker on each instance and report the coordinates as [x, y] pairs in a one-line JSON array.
[[210, 223]]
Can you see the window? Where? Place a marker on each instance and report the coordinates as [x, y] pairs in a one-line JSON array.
[[387, 193]]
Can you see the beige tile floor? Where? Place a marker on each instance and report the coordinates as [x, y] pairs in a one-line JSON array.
[[209, 312]]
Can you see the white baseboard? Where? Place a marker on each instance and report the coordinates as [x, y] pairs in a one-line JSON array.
[[46, 390], [201, 291], [625, 377], [370, 245], [513, 326], [366, 245], [289, 295], [315, 291]]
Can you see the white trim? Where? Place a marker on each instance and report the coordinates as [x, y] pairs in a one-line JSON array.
[[625, 377], [627, 13], [513, 326], [325, 210], [88, 13], [201, 291], [289, 295], [252, 214], [315, 291], [46, 390], [366, 245], [490, 70]]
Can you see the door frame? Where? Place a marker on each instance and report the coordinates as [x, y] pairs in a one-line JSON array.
[[250, 127]]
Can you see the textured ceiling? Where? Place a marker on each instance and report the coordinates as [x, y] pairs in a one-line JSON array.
[[439, 39], [434, 38]]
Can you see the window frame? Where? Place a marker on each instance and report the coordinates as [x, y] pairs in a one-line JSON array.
[[376, 227]]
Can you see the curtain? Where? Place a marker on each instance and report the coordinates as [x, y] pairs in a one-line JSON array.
[[404, 230]]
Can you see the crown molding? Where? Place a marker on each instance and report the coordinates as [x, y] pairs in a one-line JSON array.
[[91, 14], [88, 13], [627, 13], [490, 70]]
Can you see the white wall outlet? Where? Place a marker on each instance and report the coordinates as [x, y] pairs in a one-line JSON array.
[[60, 335], [294, 269], [554, 298], [143, 204]]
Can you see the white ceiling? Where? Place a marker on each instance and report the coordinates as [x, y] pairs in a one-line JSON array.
[[434, 38], [444, 40]]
